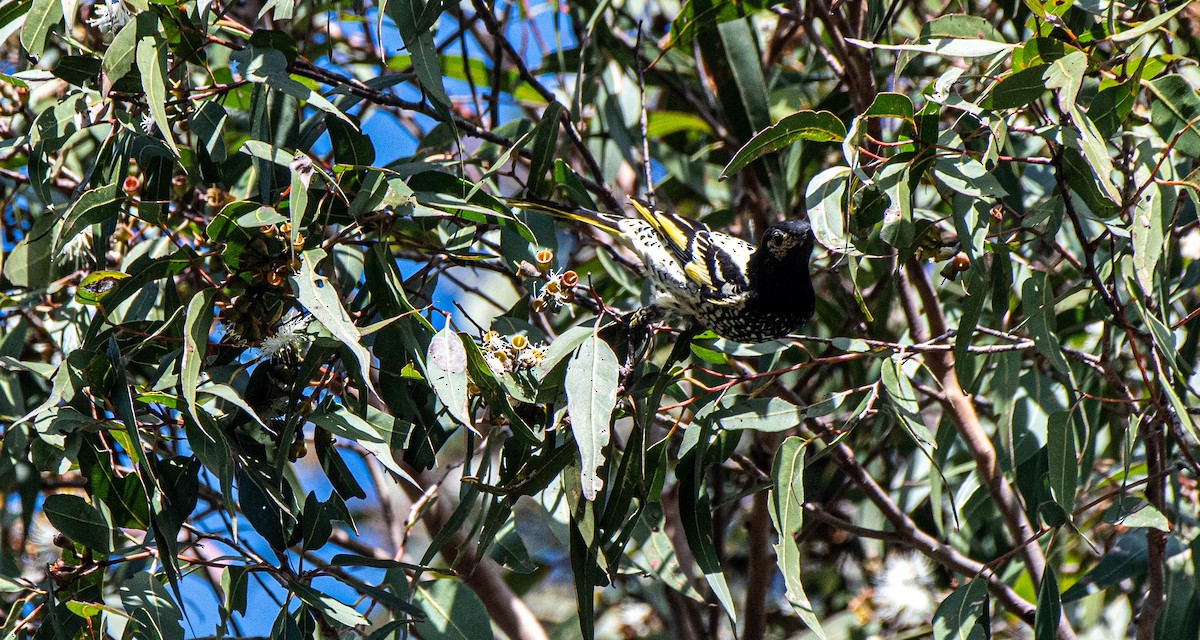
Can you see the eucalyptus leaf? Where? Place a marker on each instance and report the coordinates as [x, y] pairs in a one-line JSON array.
[[591, 384]]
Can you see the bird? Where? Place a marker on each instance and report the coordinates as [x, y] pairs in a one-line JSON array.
[[739, 291]]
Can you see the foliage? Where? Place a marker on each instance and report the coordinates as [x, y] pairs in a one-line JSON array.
[[273, 332]]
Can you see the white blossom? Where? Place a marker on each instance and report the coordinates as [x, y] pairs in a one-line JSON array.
[[1189, 245], [289, 338], [77, 249], [110, 15], [904, 591], [499, 362]]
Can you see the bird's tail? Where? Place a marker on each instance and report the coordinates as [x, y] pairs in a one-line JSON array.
[[603, 221]]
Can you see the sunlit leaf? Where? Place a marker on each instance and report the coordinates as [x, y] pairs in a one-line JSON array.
[[319, 297], [957, 616], [787, 514], [446, 364], [817, 126], [591, 386], [98, 284]]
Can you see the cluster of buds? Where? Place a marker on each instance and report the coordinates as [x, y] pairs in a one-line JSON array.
[[505, 355], [559, 288]]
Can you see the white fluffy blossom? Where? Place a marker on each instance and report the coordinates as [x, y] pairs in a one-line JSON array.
[[76, 250], [147, 123], [110, 15], [1189, 245], [904, 590], [289, 339]]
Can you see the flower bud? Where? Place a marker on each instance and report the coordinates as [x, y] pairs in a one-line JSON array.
[[131, 186]]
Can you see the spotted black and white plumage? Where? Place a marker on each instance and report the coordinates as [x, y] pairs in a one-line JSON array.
[[739, 291]]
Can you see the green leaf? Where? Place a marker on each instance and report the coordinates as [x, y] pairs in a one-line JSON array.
[[957, 25], [42, 17], [1125, 558], [768, 415], [234, 580], [545, 143], [152, 64], [1179, 411], [30, 264], [818, 126], [967, 176], [1095, 151], [562, 346], [1147, 26], [787, 514], [263, 216], [695, 16], [79, 521], [695, 513], [1145, 516], [1018, 89], [374, 435], [92, 609], [1049, 608], [947, 47], [269, 67], [591, 384], [1112, 105], [151, 607], [453, 612], [656, 555], [121, 55], [1148, 235], [1066, 75], [122, 494], [268, 152], [12, 11], [888, 104], [446, 366], [196, 326], [1037, 300], [904, 401], [414, 20], [660, 124], [351, 146], [317, 295], [898, 229], [1063, 464], [976, 290], [328, 605], [301, 168], [96, 285], [744, 63], [77, 70], [93, 207], [1176, 108], [957, 616]]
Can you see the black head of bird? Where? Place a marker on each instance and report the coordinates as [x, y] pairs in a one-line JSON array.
[[778, 271]]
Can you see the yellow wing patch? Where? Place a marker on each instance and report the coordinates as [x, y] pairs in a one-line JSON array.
[[666, 225], [699, 274]]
